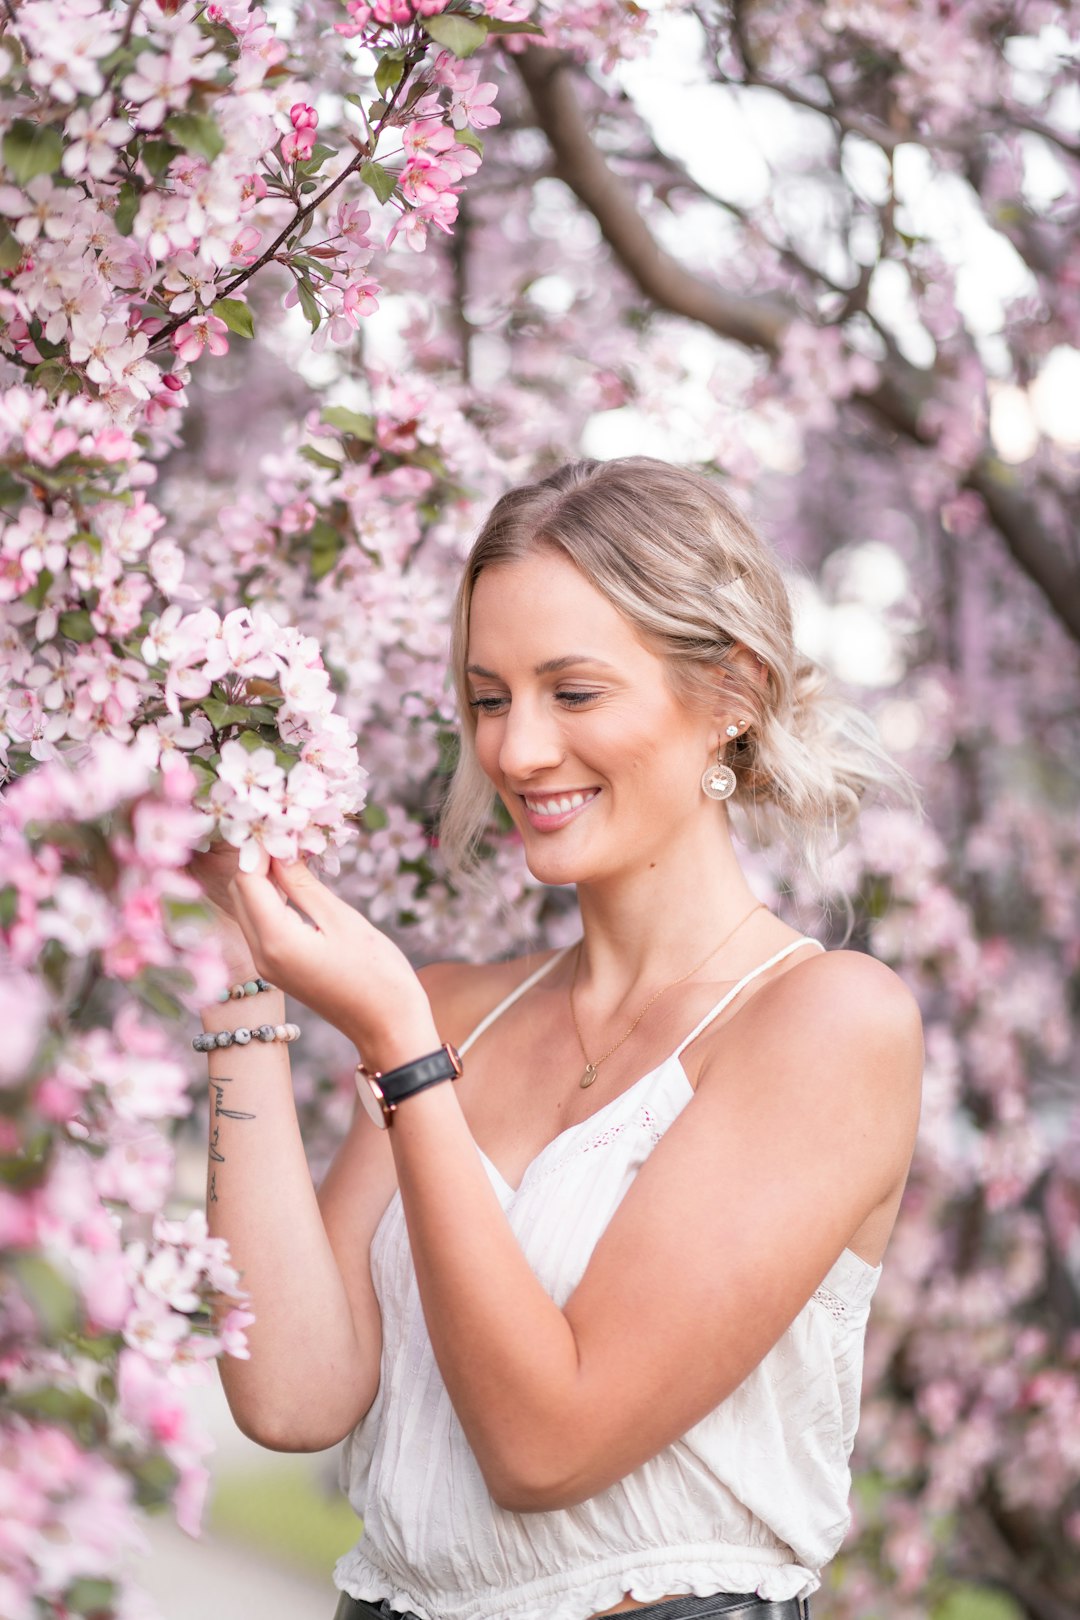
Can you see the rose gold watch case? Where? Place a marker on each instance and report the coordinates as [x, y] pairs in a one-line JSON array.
[[370, 1092], [374, 1104]]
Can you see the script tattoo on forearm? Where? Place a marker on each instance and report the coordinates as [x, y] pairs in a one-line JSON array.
[[218, 1111]]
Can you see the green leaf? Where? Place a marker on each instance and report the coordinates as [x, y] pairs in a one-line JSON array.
[[388, 73], [76, 625], [157, 155], [326, 544], [215, 711], [222, 714], [124, 55], [351, 422], [496, 26], [50, 376], [323, 536], [90, 1597], [308, 303], [459, 34], [79, 1412], [316, 457], [11, 251], [31, 149], [198, 133], [155, 1481], [236, 315], [50, 1296], [160, 1001], [127, 206], [322, 562], [381, 181], [469, 137], [374, 817]]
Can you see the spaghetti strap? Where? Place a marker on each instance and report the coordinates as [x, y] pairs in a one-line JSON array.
[[508, 1001], [793, 945]]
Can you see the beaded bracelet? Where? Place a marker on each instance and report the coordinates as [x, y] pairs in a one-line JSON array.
[[250, 987], [241, 1037]]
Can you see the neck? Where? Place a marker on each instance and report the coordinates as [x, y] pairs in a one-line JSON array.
[[647, 925]]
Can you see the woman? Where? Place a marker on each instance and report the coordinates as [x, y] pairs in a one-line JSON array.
[[591, 1310]]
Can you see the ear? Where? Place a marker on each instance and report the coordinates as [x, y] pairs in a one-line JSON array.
[[730, 707], [751, 666]]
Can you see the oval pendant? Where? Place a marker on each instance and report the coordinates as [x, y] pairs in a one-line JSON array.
[[589, 1076]]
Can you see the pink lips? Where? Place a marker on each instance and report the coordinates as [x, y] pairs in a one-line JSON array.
[[552, 823]]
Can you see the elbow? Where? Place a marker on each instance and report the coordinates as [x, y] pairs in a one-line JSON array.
[[533, 1483], [282, 1431], [291, 1427], [286, 1436]]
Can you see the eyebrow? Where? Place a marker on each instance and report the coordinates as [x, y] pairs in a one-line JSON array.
[[550, 666]]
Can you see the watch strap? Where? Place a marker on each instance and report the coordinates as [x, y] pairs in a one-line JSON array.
[[407, 1078]]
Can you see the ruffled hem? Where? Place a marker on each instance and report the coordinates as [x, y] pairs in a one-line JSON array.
[[576, 1594]]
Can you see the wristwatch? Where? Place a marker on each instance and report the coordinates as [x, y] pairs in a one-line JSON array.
[[380, 1093]]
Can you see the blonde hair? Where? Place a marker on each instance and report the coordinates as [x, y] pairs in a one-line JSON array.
[[673, 553]]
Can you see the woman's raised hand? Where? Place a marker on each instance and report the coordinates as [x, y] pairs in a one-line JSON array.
[[214, 870], [337, 963]]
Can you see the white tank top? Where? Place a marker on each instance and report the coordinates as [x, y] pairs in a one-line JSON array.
[[754, 1498]]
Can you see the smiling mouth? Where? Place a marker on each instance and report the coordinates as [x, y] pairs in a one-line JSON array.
[[558, 804]]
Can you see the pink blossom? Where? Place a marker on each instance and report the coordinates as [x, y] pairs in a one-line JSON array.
[[95, 135], [64, 60], [252, 191], [233, 1333], [206, 331], [162, 80]]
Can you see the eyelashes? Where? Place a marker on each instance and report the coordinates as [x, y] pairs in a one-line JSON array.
[[494, 705]]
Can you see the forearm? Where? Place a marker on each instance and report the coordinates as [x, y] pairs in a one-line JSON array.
[[505, 1350], [305, 1383]]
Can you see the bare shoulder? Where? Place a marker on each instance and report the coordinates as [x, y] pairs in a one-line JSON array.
[[462, 993], [844, 1019], [834, 990]]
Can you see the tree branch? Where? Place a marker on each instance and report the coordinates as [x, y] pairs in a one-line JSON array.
[[756, 322], [759, 323]]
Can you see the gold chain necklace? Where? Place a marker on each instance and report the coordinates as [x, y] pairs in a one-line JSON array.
[[590, 1068]]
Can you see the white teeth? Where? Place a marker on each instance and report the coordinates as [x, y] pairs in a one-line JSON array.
[[558, 807]]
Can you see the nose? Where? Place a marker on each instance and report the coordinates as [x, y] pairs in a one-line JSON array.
[[531, 741]]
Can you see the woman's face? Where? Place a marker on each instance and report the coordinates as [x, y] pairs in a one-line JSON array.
[[596, 759]]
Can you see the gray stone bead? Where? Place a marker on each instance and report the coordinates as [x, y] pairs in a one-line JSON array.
[[241, 1037], [265, 1032], [224, 1039]]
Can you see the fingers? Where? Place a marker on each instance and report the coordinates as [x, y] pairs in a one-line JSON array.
[[300, 885], [258, 900]]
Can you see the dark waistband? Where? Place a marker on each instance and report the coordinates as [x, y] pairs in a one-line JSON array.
[[729, 1605]]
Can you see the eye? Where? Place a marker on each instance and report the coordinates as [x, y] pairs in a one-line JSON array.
[[487, 705], [577, 700]]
